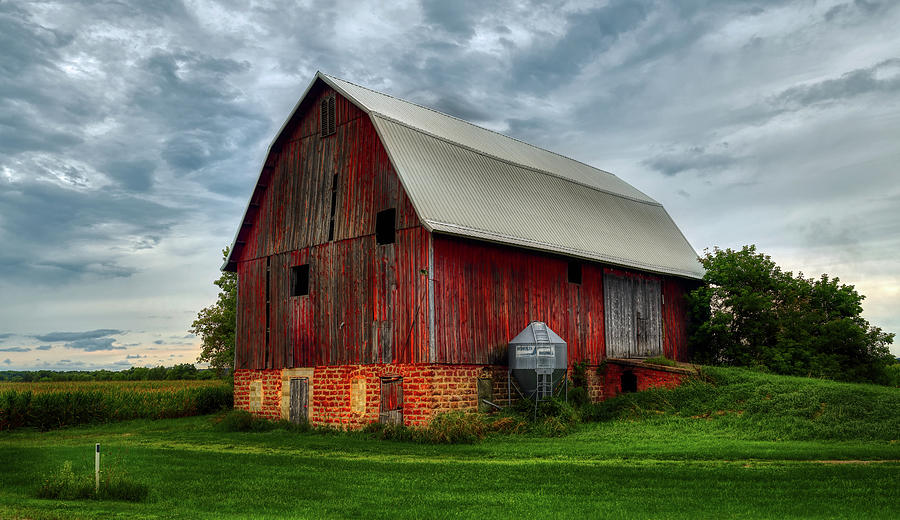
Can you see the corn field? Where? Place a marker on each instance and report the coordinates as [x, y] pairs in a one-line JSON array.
[[46, 406]]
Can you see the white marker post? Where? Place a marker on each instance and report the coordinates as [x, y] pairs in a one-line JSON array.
[[97, 469]]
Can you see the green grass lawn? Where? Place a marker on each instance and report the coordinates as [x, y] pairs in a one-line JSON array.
[[650, 462]]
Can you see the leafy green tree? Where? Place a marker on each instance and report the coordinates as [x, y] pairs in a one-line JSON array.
[[216, 325], [751, 313], [182, 371]]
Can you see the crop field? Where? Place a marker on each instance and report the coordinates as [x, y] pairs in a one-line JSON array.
[[107, 386], [742, 446], [58, 404]]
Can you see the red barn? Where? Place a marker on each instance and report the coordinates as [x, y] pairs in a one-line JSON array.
[[390, 252]]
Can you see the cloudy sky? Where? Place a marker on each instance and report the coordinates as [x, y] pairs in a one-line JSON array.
[[131, 135]]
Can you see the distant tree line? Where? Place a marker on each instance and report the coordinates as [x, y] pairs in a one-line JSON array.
[[160, 373], [751, 313]]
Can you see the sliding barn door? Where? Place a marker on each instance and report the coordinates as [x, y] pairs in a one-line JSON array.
[[633, 317]]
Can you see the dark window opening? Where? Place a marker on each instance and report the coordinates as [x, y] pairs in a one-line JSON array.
[[326, 115], [268, 307], [300, 280], [334, 184], [629, 381], [384, 226], [575, 272]]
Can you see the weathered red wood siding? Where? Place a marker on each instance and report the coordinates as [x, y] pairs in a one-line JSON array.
[[251, 312], [675, 318], [367, 302], [485, 294]]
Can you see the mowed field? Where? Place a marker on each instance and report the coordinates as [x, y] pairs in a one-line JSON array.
[[780, 448], [652, 469]]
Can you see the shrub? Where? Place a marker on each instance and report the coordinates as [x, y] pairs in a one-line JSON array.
[[244, 421], [577, 392], [393, 432], [892, 373], [509, 424], [65, 484], [454, 428], [661, 360]]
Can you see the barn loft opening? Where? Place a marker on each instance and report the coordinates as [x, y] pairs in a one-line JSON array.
[[300, 280], [268, 307], [326, 115], [575, 272], [334, 186], [384, 226], [629, 381]]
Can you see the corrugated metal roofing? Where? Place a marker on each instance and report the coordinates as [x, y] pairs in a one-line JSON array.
[[469, 181], [482, 140]]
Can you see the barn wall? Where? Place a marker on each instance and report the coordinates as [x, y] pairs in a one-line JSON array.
[[675, 320], [486, 293], [367, 302]]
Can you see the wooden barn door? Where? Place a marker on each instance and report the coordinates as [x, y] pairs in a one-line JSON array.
[[633, 317], [299, 411], [391, 411]]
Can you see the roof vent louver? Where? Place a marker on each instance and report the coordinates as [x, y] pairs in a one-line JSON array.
[[326, 115]]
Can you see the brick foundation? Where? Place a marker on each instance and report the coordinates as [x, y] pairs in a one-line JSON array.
[[647, 377], [336, 392], [428, 390]]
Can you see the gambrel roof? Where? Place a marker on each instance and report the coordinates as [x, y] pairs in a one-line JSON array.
[[468, 181]]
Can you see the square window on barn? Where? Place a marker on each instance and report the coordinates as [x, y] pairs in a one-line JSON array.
[[300, 280], [384, 226], [575, 272]]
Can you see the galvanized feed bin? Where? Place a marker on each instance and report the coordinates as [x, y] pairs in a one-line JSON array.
[[537, 359]]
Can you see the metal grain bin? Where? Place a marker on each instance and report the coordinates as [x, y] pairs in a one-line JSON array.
[[537, 359]]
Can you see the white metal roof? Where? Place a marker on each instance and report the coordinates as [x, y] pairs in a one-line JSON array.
[[469, 181]]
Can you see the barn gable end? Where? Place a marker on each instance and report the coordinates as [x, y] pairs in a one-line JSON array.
[[316, 204]]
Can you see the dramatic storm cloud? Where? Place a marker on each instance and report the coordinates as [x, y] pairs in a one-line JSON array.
[[131, 134]]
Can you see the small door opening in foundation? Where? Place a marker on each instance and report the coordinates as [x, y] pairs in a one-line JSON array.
[[629, 381], [391, 411]]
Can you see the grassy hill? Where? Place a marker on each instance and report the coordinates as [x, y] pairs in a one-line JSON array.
[[755, 406]]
